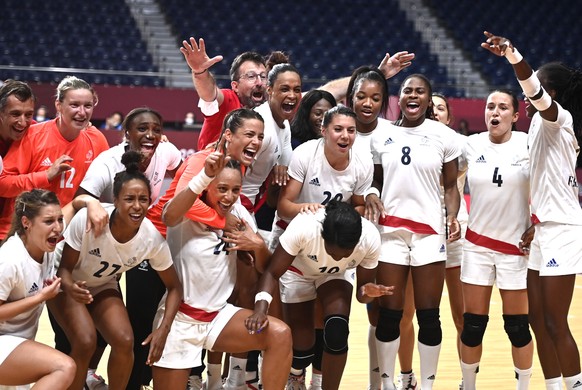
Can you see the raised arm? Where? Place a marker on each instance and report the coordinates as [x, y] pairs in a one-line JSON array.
[[199, 62], [527, 79]]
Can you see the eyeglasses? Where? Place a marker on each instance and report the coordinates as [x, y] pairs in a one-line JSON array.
[[253, 77]]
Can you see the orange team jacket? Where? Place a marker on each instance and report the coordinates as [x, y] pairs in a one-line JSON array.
[[27, 161], [200, 211]]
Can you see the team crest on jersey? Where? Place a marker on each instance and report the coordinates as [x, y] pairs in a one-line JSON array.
[[131, 261], [312, 257], [572, 182], [144, 265], [89, 156]]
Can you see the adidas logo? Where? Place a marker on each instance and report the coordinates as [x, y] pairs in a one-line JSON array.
[[237, 368], [442, 249], [312, 257], [95, 252], [377, 369], [481, 159], [384, 375], [577, 384], [431, 378], [46, 162], [388, 141], [315, 182], [33, 289], [552, 263]]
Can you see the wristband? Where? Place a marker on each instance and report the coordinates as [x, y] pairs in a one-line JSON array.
[[199, 182], [199, 73], [513, 55], [370, 191], [530, 86], [263, 296]]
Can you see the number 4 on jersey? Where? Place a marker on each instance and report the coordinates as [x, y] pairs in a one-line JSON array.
[[497, 177]]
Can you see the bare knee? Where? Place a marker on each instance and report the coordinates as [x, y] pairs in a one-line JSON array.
[[279, 335], [67, 366], [123, 342], [83, 344]]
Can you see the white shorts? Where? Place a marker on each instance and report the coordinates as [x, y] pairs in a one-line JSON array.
[[8, 343], [557, 250], [188, 337], [455, 253], [509, 272], [406, 248], [274, 235], [297, 288]]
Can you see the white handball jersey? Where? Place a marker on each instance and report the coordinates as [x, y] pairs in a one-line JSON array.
[[553, 149], [363, 141], [303, 239], [207, 270], [276, 149], [321, 182], [20, 277], [98, 180], [499, 182], [412, 159], [103, 258]]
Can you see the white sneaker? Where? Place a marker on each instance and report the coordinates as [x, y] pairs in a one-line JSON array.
[[95, 382], [194, 383], [407, 381], [461, 386], [296, 382]]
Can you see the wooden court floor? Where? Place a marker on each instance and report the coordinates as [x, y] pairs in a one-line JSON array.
[[496, 370]]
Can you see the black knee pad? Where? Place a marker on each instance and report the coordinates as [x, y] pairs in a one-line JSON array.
[[429, 327], [517, 329], [335, 334], [388, 328], [474, 326], [302, 359], [318, 355]]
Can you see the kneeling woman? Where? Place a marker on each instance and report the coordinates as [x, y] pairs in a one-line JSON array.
[[206, 263], [90, 267], [311, 260]]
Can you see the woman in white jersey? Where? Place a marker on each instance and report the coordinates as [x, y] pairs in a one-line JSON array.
[[409, 160], [206, 261], [27, 280], [143, 130], [442, 113], [314, 258], [554, 102], [322, 170], [499, 180], [90, 268]]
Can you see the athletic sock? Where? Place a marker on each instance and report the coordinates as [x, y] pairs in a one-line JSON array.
[[429, 361], [387, 352], [375, 382], [523, 377], [469, 375], [213, 377], [554, 383], [236, 371], [573, 382]]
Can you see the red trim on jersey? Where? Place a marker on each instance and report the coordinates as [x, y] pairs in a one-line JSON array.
[[282, 224], [293, 269], [534, 219], [415, 227], [197, 314], [491, 243]]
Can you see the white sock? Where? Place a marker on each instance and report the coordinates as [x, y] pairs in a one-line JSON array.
[[469, 375], [523, 377], [387, 352], [213, 377], [573, 382], [316, 381], [375, 382], [236, 371], [554, 383], [429, 361]]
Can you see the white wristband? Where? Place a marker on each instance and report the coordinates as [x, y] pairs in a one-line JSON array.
[[199, 182], [371, 190], [263, 296], [513, 56]]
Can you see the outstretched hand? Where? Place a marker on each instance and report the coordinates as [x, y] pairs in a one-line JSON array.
[[496, 44], [196, 57], [391, 65]]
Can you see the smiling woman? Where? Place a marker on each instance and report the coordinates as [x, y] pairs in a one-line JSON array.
[[90, 267]]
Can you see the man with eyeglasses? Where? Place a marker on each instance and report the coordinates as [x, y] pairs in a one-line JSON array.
[[248, 86]]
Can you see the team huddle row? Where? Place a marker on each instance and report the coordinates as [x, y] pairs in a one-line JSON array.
[[360, 202]]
